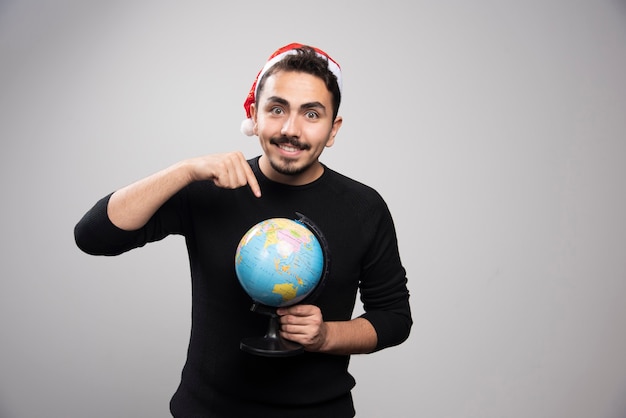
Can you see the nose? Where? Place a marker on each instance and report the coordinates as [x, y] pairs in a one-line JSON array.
[[290, 127]]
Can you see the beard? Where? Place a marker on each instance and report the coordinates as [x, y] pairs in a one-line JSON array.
[[288, 167], [285, 165]]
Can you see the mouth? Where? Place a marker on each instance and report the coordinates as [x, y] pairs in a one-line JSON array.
[[288, 148], [289, 145]]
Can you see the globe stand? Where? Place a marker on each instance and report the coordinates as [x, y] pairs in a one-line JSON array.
[[271, 344]]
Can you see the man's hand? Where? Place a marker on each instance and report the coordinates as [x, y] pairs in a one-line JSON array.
[[229, 171], [305, 325]]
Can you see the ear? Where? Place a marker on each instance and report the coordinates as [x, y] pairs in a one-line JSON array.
[[253, 116], [333, 132]]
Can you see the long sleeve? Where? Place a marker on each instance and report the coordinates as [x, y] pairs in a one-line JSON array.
[[95, 234], [383, 287]]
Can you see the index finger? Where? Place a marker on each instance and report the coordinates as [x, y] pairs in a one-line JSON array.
[[251, 178]]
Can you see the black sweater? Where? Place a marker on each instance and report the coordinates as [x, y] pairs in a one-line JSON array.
[[220, 380]]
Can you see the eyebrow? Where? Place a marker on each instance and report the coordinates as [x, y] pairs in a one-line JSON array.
[[304, 106]]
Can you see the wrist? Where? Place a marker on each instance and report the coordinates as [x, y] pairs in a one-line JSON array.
[[325, 340]]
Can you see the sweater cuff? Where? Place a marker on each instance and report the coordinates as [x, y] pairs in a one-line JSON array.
[[391, 328]]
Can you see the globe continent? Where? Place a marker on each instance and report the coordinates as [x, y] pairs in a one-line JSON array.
[[279, 262]]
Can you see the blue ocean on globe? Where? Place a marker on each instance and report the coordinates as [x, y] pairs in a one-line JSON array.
[[279, 262]]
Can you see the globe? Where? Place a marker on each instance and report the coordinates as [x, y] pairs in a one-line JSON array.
[[279, 262]]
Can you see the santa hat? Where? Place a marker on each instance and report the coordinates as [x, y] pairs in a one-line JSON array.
[[247, 126]]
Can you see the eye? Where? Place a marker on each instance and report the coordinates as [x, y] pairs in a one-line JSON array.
[[276, 110], [312, 114]]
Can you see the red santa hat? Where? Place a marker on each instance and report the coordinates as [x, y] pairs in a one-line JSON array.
[[247, 126]]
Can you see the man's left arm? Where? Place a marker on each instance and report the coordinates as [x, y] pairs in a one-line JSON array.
[[383, 287]]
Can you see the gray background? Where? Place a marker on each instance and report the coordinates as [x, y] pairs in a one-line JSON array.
[[495, 130]]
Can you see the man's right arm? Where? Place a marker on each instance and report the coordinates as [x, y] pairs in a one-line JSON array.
[[131, 207]]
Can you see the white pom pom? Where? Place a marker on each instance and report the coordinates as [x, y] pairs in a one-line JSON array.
[[247, 127]]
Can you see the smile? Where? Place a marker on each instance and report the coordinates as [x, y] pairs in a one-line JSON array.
[[288, 148]]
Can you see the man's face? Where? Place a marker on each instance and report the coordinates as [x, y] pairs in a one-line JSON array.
[[293, 118]]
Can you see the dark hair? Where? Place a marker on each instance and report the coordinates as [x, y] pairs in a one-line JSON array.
[[306, 60]]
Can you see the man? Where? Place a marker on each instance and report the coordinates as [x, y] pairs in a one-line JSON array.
[[213, 200]]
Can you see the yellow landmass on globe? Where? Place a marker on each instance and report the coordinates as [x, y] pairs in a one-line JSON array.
[[271, 238], [287, 290]]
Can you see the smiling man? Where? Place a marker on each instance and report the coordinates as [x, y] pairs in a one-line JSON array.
[[213, 200]]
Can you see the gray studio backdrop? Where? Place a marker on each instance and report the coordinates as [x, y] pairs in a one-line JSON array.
[[495, 130]]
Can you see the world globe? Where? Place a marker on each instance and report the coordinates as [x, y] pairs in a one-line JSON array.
[[279, 262]]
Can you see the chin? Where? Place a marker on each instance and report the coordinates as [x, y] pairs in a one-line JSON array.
[[287, 167]]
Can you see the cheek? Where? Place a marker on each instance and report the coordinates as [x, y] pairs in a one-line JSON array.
[[265, 125], [320, 136]]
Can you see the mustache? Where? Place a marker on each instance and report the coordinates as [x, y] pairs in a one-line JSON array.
[[285, 140]]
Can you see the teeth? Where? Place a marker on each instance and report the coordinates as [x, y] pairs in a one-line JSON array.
[[288, 148]]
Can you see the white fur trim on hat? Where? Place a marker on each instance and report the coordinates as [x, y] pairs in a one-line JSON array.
[[247, 127]]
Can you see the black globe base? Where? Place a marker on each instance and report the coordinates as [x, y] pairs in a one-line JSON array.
[[270, 347], [271, 344]]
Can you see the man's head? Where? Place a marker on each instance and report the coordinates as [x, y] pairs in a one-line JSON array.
[[293, 110], [298, 58]]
